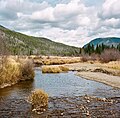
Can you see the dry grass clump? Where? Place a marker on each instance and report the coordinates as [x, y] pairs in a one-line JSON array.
[[51, 69], [13, 71], [39, 100], [113, 64], [64, 68], [54, 69], [55, 60], [9, 72]]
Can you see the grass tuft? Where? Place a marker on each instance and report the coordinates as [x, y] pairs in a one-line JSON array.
[[39, 100], [54, 69]]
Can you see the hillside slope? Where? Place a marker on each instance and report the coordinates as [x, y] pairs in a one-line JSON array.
[[109, 41], [18, 43]]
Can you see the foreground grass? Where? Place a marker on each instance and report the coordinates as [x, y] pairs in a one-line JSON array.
[[38, 100], [15, 70]]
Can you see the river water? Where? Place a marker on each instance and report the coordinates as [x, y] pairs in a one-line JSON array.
[[56, 85]]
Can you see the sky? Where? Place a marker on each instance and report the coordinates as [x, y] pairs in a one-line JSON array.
[[72, 22]]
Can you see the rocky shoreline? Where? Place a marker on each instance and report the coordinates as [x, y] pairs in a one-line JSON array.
[[59, 107]]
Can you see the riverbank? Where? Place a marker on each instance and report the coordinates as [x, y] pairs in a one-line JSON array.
[[111, 80], [14, 70], [104, 73]]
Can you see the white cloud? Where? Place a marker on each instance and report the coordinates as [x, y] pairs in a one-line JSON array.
[[43, 15], [111, 9]]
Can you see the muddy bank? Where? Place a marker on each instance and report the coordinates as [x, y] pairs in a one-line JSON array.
[[67, 107]]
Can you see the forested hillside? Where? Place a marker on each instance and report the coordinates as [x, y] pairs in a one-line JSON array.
[[20, 44]]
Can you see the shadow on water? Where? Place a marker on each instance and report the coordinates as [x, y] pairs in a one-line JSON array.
[[19, 90]]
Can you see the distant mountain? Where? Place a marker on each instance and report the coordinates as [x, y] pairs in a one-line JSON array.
[[18, 43], [109, 41]]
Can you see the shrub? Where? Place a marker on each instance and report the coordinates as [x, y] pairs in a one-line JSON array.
[[39, 100], [84, 58], [110, 55], [27, 72]]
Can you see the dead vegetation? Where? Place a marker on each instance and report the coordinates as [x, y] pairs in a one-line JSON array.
[[39, 100], [54, 69], [113, 64], [13, 71], [55, 60]]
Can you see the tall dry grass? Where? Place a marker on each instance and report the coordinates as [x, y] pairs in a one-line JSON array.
[[113, 65], [39, 100], [13, 71], [55, 60], [54, 69]]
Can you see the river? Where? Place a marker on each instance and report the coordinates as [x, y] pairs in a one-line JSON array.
[[13, 99]]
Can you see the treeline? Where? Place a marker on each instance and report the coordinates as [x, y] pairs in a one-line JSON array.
[[90, 49], [100, 53]]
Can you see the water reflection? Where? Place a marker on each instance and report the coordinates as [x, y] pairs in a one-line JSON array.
[[17, 91]]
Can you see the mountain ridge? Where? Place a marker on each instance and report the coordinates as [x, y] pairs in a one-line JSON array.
[[19, 43], [108, 41]]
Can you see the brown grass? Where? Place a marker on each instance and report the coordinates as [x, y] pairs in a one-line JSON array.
[[9, 72], [56, 60], [39, 100], [113, 64], [51, 69], [13, 71], [64, 68], [54, 69]]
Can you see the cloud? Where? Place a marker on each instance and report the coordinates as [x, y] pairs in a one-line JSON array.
[[110, 9], [73, 22], [45, 15]]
